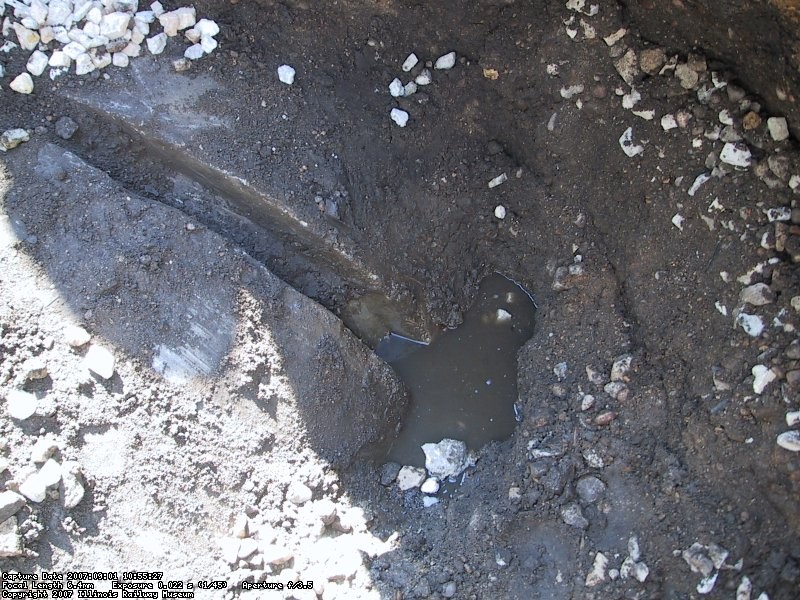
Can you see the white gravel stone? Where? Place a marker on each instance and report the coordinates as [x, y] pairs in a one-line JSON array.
[[21, 405], [779, 213], [735, 155], [762, 377], [59, 60], [84, 64], [120, 60], [76, 336], [410, 477], [99, 360], [247, 547], [208, 44], [757, 294], [598, 573], [429, 501], [132, 50], [28, 39], [627, 145], [207, 27], [157, 8], [500, 179], [445, 459], [410, 62], [790, 440], [22, 83], [12, 138], [194, 52], [299, 493], [34, 368], [410, 88], [100, 60], [157, 43], [145, 16], [286, 74], [59, 12], [447, 61], [73, 488], [177, 20], [668, 122], [430, 486], [396, 88], [43, 449], [10, 539], [572, 516], [50, 473], [10, 503], [752, 324], [114, 25], [400, 117], [778, 128], [500, 212], [793, 418], [34, 488], [424, 78], [37, 63], [192, 35], [73, 50]]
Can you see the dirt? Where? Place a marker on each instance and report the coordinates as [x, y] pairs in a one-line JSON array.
[[211, 227]]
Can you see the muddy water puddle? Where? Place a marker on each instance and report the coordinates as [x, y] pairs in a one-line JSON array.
[[463, 384]]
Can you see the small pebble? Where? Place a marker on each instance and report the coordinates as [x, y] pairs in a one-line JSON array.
[[447, 61], [790, 440], [22, 84], [286, 74], [20, 404], [400, 117], [500, 212], [99, 360], [410, 62], [778, 128]]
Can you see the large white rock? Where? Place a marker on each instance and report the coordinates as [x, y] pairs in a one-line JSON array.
[[410, 62], [99, 360], [157, 43], [177, 20], [399, 116], [59, 59], [84, 64], [445, 459], [10, 503], [194, 52], [396, 88], [34, 488], [50, 473], [73, 50], [778, 128], [28, 40], [207, 27], [37, 63], [11, 138], [410, 477], [120, 60], [22, 83], [447, 61], [59, 12], [208, 44], [114, 25], [735, 155], [20, 404]]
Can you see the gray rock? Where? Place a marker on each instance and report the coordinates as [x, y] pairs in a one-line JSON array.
[[389, 473], [778, 128], [10, 539], [572, 516], [695, 557], [590, 489], [566, 277], [449, 589], [10, 503], [66, 128]]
